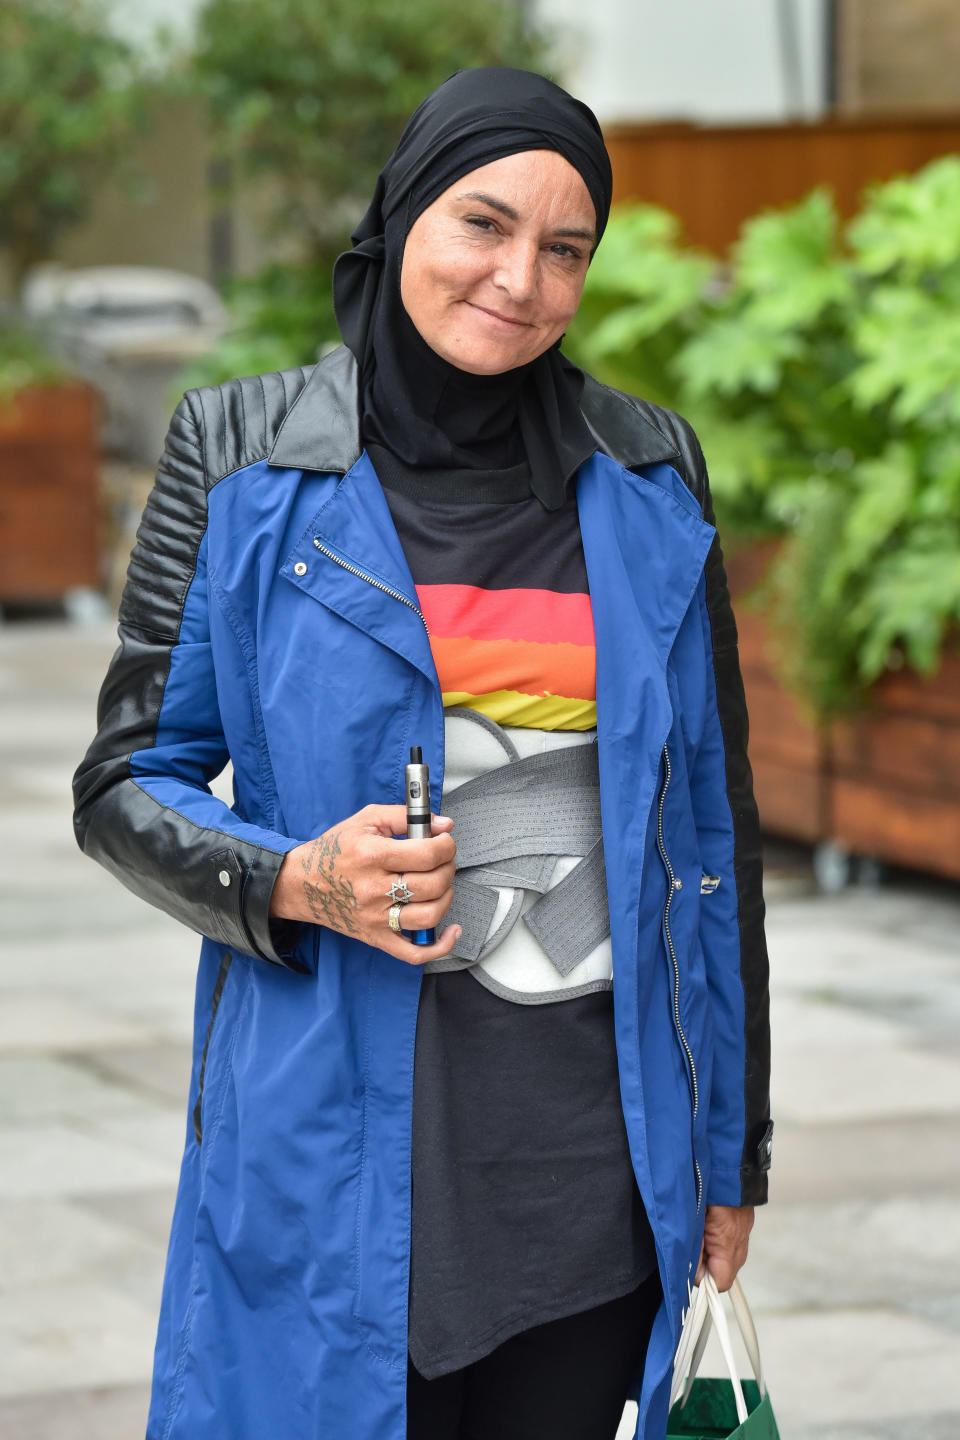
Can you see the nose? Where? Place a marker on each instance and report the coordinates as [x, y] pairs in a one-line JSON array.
[[516, 271]]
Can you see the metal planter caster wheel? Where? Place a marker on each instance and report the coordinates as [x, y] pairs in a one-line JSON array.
[[85, 608], [871, 873], [832, 867]]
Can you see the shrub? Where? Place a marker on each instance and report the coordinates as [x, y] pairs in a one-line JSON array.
[[820, 365]]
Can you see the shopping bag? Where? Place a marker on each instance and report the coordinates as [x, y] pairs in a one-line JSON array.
[[728, 1408]]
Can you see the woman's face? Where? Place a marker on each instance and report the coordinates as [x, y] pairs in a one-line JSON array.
[[493, 269]]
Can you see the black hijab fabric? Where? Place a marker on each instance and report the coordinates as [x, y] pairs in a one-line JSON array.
[[425, 410]]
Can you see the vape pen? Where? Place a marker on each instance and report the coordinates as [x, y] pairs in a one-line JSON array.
[[418, 820]]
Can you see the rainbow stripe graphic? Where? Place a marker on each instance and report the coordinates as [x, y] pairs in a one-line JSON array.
[[520, 656]]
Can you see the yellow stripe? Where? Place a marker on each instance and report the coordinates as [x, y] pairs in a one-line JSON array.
[[532, 712]]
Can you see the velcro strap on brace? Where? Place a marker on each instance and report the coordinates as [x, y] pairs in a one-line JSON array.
[[512, 824]]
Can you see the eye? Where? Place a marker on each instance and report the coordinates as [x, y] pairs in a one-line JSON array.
[[565, 251], [481, 222]]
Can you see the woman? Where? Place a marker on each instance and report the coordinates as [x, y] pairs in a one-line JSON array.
[[577, 1097]]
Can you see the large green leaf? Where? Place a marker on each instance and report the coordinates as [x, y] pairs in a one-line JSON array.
[[909, 339], [641, 251], [787, 263], [736, 353], [912, 222], [912, 602]]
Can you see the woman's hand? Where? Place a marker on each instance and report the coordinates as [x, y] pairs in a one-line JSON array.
[[726, 1232], [342, 880]]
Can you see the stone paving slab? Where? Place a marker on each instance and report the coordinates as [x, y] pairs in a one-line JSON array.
[[146, 1213], [849, 1366], [62, 1159], [98, 1414], [70, 1334], [902, 1426], [48, 1019], [868, 1251], [820, 1082], [160, 1072], [41, 1088], [157, 950], [918, 1155]]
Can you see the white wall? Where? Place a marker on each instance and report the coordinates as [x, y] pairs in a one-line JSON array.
[[137, 20], [707, 60]]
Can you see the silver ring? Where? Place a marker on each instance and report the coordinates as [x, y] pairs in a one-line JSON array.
[[399, 891], [393, 918]]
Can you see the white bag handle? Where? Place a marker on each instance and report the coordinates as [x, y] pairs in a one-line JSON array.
[[748, 1333], [706, 1309], [696, 1327]]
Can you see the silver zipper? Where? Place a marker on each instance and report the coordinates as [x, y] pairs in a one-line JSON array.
[[377, 584], [674, 885]]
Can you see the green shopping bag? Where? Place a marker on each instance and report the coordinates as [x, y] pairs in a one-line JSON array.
[[711, 1413], [718, 1409]]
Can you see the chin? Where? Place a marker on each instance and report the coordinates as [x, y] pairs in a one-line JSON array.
[[485, 361]]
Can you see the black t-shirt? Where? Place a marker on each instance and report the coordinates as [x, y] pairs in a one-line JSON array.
[[525, 1205]]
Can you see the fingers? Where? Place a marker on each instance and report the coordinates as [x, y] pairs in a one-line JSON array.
[[426, 916], [725, 1243], [724, 1272], [404, 949], [405, 855], [390, 820], [427, 885]]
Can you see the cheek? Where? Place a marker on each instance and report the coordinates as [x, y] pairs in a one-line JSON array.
[[441, 273], [562, 299]]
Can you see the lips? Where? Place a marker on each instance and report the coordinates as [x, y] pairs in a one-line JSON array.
[[495, 315]]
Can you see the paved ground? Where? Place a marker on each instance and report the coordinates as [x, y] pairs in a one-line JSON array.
[[855, 1272]]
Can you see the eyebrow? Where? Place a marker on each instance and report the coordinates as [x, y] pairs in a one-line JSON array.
[[511, 214]]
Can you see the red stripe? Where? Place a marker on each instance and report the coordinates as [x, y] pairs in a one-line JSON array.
[[547, 616]]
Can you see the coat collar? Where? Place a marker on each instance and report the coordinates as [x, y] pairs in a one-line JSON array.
[[321, 430]]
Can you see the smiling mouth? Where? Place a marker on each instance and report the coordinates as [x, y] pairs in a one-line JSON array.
[[495, 315]]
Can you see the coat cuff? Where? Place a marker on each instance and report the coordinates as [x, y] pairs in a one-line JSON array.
[[269, 938], [748, 1184]]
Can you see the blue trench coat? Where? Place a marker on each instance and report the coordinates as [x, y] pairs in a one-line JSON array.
[[290, 641]]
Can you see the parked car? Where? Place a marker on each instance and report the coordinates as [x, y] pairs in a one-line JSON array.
[[129, 330]]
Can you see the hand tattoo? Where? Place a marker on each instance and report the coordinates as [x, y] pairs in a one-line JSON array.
[[331, 898]]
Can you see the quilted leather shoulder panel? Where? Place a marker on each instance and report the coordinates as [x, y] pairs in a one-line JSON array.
[[238, 422]]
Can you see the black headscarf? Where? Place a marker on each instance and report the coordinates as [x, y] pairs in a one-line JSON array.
[[424, 410]]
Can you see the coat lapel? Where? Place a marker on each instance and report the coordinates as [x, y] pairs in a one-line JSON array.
[[350, 559], [645, 544]]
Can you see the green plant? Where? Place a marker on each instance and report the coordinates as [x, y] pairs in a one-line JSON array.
[[307, 99], [68, 97], [821, 367], [311, 95], [24, 361]]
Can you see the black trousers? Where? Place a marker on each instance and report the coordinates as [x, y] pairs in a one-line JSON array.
[[566, 1380]]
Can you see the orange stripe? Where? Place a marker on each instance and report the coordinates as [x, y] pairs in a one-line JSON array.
[[539, 615], [480, 666]]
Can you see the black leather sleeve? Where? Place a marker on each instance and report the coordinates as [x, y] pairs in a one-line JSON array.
[[166, 837], [748, 856]]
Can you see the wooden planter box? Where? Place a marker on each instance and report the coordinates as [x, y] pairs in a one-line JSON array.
[[48, 493], [895, 773], [884, 784], [787, 753]]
